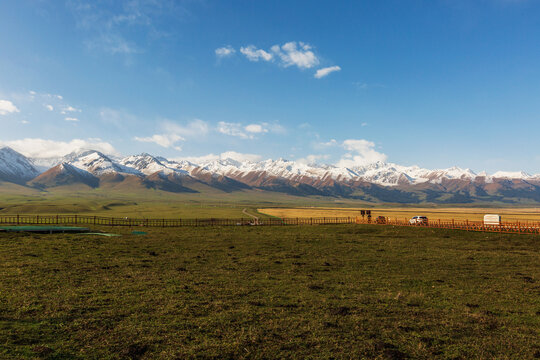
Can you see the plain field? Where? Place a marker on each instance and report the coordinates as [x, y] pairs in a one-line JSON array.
[[341, 291]]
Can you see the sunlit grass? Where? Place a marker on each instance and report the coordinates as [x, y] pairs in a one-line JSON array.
[[259, 292]]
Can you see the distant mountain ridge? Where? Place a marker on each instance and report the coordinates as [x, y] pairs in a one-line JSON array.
[[377, 182]]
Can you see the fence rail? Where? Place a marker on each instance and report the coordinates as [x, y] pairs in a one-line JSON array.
[[520, 227], [126, 221]]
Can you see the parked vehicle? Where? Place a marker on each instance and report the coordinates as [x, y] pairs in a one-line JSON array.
[[492, 220], [418, 220], [380, 220]]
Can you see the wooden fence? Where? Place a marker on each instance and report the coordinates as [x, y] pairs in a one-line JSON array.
[[126, 221], [521, 227], [518, 227]]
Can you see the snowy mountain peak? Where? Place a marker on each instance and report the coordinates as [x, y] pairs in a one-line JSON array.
[[16, 167], [96, 163], [148, 164], [511, 175]]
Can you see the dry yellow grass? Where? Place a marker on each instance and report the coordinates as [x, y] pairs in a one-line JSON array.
[[473, 214]]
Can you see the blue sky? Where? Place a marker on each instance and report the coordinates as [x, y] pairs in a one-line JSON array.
[[434, 83]]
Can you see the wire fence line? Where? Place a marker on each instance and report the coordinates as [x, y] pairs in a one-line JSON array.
[[520, 227]]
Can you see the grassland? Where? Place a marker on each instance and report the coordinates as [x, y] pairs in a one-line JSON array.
[[434, 213], [153, 204], [283, 292]]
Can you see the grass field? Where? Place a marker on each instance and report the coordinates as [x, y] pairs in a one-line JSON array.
[[284, 292], [457, 213], [154, 205]]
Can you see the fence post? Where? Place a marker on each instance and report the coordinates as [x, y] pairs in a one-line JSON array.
[[18, 220]]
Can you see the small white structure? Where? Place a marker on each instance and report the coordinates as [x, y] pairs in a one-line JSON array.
[[492, 219]]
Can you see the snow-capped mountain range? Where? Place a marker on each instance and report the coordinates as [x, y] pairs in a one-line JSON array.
[[93, 168]]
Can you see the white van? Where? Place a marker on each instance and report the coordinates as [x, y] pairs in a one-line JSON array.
[[492, 220]]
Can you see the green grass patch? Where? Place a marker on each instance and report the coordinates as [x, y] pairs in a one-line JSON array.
[[270, 292]]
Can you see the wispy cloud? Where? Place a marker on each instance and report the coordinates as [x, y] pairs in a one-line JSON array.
[[68, 108], [313, 159], [326, 71], [113, 44], [72, 119], [332, 142], [163, 140], [233, 129], [225, 51], [249, 131], [233, 155], [254, 54], [364, 86], [110, 29], [173, 133]]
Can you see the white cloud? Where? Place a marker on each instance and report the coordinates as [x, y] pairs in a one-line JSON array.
[[249, 131], [312, 159], [233, 155], [49, 107], [42, 149], [292, 53], [69, 108], [225, 51], [297, 54], [255, 128], [275, 128], [332, 142], [7, 107], [361, 153], [72, 119], [196, 127], [233, 129], [164, 140], [254, 54], [326, 71], [173, 133]]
